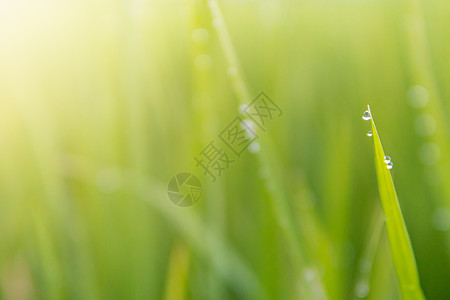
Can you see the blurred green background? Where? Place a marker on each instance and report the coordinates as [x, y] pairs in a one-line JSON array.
[[103, 101]]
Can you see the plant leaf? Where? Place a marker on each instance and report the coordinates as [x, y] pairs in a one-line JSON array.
[[400, 244]]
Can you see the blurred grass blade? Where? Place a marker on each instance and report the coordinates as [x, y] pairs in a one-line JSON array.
[[178, 272], [216, 252], [401, 249]]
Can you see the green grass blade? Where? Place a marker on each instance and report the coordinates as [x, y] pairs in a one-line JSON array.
[[400, 244]]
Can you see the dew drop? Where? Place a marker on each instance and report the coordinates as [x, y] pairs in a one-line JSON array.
[[362, 289], [441, 219], [200, 36], [369, 133], [254, 147], [387, 159], [243, 108], [249, 128], [390, 165], [366, 115], [247, 124], [418, 96], [309, 274]]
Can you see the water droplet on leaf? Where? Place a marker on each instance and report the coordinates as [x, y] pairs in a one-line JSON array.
[[362, 289], [390, 165], [254, 147], [200, 36], [418, 96], [243, 108], [366, 115], [369, 133]]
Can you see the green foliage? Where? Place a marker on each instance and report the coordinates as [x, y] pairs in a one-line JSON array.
[[103, 102], [402, 252]]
